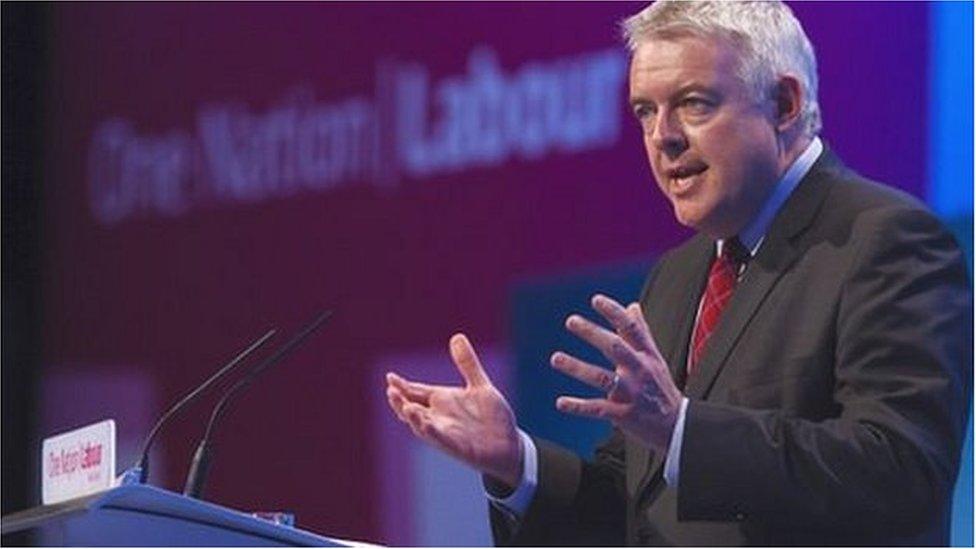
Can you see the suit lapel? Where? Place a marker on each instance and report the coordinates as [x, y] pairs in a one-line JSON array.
[[675, 348], [673, 333], [760, 277], [775, 257]]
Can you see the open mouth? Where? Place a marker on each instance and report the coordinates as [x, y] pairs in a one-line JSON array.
[[682, 179]]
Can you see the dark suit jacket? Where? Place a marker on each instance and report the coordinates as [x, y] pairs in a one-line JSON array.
[[829, 407]]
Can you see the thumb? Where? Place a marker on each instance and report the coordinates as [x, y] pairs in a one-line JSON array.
[[467, 361]]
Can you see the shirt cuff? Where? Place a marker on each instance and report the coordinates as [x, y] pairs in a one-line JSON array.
[[672, 463], [517, 503]]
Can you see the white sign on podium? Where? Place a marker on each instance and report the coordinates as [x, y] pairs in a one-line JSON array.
[[78, 463]]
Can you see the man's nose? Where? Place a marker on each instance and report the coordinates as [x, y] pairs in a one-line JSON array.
[[668, 136]]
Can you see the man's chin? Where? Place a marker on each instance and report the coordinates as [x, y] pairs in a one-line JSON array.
[[698, 221], [689, 217]]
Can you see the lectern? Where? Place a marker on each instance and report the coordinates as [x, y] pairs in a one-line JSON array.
[[140, 515]]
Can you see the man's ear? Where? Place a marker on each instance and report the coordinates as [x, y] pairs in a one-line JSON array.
[[788, 101]]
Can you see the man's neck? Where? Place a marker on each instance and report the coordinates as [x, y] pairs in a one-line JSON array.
[[753, 234], [792, 151]]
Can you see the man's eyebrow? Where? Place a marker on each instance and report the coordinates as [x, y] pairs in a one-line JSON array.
[[695, 87], [636, 100]]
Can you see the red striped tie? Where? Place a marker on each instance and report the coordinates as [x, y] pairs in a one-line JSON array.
[[722, 278]]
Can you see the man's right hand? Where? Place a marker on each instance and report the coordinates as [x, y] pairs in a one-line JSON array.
[[473, 423]]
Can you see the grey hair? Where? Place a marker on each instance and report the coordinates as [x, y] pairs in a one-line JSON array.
[[770, 40]]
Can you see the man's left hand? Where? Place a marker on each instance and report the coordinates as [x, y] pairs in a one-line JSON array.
[[643, 401]]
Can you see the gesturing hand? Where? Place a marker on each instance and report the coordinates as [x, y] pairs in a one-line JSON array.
[[642, 399], [473, 423]]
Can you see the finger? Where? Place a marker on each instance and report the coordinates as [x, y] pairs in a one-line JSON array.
[[594, 376], [467, 361], [396, 400], [634, 310], [597, 408], [610, 344], [416, 417], [412, 390], [627, 384], [633, 329]]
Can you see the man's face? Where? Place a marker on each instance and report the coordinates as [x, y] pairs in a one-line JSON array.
[[711, 144]]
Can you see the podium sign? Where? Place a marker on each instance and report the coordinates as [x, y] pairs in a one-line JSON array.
[[78, 463]]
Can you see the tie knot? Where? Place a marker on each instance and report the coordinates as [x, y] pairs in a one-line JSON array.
[[733, 250]]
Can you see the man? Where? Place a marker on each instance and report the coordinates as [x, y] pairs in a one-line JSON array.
[[797, 373]]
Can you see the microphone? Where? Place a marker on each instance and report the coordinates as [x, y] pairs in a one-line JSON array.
[[200, 465], [140, 471]]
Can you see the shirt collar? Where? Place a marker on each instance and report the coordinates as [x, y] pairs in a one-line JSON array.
[[754, 233]]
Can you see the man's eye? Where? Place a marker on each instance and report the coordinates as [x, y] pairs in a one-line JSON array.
[[696, 105], [642, 112]]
